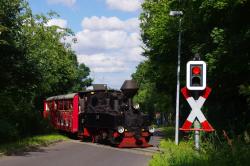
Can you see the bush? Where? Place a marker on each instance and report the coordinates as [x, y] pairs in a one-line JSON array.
[[181, 155], [7, 131], [210, 155], [237, 154], [19, 120]]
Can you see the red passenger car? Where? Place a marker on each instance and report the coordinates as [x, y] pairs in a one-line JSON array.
[[63, 112]]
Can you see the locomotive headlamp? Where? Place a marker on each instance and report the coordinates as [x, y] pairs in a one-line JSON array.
[[136, 106], [151, 129], [120, 129]]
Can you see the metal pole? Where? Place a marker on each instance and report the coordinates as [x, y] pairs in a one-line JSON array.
[[178, 87], [197, 135], [196, 122]]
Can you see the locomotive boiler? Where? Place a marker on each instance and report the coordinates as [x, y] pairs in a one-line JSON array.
[[101, 115]]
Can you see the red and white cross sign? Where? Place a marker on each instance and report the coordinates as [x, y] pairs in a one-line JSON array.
[[196, 111]]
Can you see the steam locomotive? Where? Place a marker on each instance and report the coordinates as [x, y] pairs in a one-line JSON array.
[[101, 115]]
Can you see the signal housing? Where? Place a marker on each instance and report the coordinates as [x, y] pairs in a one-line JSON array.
[[196, 75]]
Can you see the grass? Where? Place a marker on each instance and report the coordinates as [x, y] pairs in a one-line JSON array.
[[209, 155], [30, 143], [180, 155]]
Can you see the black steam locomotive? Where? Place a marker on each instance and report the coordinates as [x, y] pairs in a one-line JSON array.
[[102, 115]]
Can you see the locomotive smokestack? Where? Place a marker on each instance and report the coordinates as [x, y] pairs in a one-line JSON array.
[[129, 89]]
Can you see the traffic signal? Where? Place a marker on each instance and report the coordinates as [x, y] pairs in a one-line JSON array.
[[196, 75]]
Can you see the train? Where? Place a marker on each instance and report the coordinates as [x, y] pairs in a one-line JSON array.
[[101, 115]]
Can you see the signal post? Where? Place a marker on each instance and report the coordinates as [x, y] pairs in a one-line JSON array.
[[196, 92]]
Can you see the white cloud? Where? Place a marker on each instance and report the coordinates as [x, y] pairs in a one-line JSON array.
[[110, 23], [58, 22], [105, 40], [63, 2], [133, 54], [107, 33], [124, 5], [100, 63], [110, 47]]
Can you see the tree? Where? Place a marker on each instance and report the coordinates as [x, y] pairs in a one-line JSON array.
[[150, 99], [219, 32], [35, 62], [83, 80], [13, 67]]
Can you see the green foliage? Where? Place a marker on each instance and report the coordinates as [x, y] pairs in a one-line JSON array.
[[149, 96], [56, 63], [181, 155], [185, 155], [35, 62], [219, 32], [83, 80], [168, 132], [245, 90]]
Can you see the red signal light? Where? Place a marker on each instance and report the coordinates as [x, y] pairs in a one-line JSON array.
[[196, 70]]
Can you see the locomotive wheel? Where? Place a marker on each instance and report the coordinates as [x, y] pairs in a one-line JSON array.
[[72, 135], [87, 139], [147, 138], [104, 137], [96, 139], [115, 141]]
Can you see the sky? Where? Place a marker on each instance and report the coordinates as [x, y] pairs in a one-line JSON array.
[[107, 33]]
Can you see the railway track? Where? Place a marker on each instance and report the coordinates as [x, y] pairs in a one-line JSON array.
[[143, 151]]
